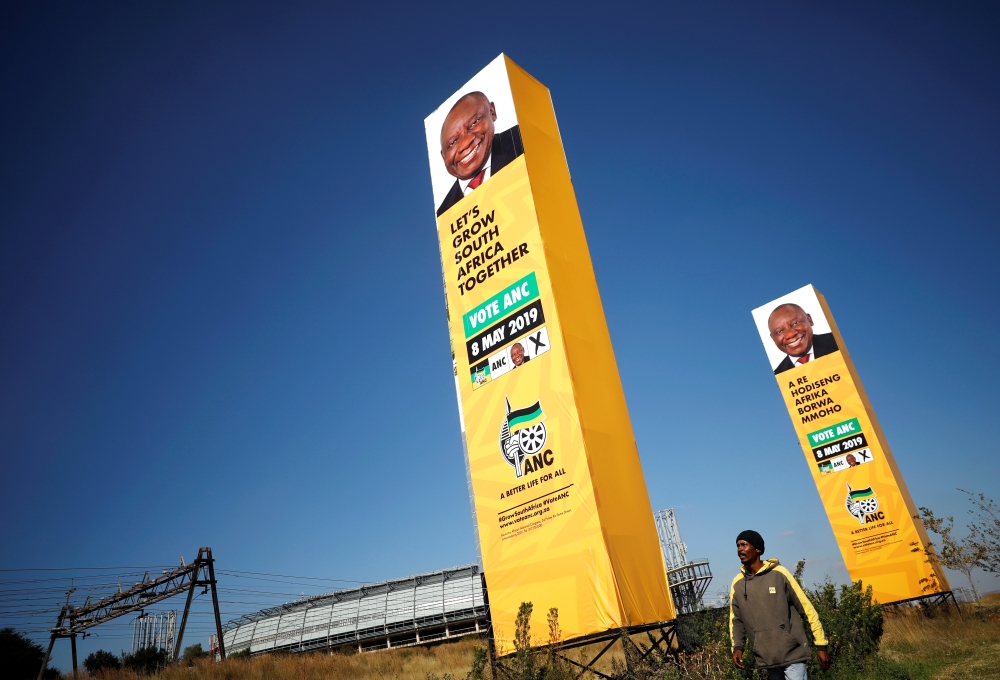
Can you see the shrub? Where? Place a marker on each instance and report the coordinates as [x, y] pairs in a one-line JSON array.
[[101, 661], [146, 661], [480, 659], [527, 663], [852, 621], [194, 652]]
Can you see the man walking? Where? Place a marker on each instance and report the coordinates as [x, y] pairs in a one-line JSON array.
[[761, 603]]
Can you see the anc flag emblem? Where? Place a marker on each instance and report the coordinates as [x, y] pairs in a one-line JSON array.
[[522, 434]]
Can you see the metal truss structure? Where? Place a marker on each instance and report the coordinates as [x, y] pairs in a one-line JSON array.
[[398, 613], [154, 630], [688, 584], [623, 636], [927, 602], [73, 621], [674, 549], [688, 579]]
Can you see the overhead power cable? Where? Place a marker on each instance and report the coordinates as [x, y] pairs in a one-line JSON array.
[[159, 566], [303, 578]]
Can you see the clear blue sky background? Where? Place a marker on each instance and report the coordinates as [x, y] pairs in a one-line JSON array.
[[222, 318]]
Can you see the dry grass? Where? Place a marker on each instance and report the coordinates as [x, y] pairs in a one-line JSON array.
[[949, 647], [410, 663], [991, 599]]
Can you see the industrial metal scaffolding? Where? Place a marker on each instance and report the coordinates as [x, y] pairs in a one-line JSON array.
[[397, 613], [154, 630]]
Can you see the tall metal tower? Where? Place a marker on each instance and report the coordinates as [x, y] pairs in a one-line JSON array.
[[674, 550], [688, 580]]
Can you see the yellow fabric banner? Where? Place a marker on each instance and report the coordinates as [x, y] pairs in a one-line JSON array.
[[869, 507], [562, 511]]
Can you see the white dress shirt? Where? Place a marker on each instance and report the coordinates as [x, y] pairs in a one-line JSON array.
[[811, 354], [463, 184]]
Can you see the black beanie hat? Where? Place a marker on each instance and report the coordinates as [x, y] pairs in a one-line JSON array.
[[753, 538]]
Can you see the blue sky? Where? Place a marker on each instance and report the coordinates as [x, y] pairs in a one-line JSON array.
[[222, 317]]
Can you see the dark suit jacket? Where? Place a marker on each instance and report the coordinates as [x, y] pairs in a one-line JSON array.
[[822, 345], [507, 146]]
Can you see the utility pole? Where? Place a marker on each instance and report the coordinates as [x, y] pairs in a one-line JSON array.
[[204, 564]]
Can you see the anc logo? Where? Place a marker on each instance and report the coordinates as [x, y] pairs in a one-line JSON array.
[[862, 504], [522, 434]]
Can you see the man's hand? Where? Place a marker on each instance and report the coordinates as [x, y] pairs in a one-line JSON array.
[[738, 659], [824, 659]]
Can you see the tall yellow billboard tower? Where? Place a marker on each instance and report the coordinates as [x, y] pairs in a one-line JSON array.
[[869, 507], [562, 512]]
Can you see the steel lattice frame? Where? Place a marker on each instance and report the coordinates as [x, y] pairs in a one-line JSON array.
[[75, 620], [688, 579]]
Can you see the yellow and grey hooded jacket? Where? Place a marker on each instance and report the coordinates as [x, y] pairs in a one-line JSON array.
[[761, 606]]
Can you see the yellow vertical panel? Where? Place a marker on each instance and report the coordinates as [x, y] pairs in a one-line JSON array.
[[913, 570], [623, 504], [572, 527], [557, 559]]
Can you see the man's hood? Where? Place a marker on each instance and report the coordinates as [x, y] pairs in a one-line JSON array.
[[769, 564]]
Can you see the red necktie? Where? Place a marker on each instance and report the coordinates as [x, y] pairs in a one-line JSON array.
[[804, 359], [477, 180]]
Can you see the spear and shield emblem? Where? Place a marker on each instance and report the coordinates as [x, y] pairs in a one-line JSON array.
[[522, 434], [861, 502]]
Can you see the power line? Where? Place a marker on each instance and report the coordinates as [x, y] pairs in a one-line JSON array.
[[159, 566], [305, 578]]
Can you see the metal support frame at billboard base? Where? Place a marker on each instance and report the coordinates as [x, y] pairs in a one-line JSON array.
[[666, 629], [929, 602], [491, 649], [623, 636], [201, 572]]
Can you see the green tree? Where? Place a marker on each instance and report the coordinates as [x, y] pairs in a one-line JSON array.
[[101, 660], [962, 555], [527, 663], [852, 620], [800, 567], [193, 653], [984, 532], [146, 661], [480, 659], [524, 660], [20, 658]]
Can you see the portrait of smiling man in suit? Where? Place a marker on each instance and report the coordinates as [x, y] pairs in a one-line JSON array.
[[471, 148], [791, 329]]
